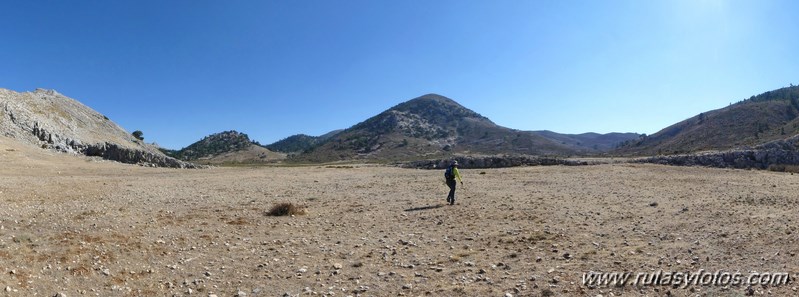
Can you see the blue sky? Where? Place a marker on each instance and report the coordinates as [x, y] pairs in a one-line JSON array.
[[180, 70]]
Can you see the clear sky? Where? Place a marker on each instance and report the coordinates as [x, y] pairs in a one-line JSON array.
[[180, 70]]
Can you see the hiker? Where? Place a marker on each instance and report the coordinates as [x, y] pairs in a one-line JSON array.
[[450, 175]]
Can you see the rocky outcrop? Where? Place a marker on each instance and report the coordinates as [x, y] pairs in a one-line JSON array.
[[778, 152], [474, 162], [110, 151], [49, 120]]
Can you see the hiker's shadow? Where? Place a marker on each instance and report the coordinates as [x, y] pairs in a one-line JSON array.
[[424, 207]]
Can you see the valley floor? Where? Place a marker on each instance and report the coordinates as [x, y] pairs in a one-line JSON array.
[[84, 227]]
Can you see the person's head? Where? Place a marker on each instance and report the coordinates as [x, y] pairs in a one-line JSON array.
[[455, 163]]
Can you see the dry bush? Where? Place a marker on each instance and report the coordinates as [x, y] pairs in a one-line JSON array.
[[784, 168], [285, 209]]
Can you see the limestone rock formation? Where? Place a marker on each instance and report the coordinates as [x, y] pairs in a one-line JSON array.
[[50, 120], [498, 161], [778, 152]]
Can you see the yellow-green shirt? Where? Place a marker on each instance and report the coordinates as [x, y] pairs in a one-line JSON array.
[[456, 173]]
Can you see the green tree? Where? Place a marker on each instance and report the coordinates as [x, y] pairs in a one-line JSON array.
[[138, 134]]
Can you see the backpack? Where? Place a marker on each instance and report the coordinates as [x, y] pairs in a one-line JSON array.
[[448, 173]]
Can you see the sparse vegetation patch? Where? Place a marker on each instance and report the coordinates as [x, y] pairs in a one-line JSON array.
[[286, 209]]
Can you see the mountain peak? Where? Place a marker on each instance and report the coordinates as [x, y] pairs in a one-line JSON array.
[[228, 134], [429, 125], [433, 96], [436, 108], [51, 92]]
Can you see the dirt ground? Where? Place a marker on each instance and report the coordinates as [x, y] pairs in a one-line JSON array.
[[84, 227]]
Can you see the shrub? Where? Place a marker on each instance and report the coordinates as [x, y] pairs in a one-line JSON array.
[[285, 209], [784, 168], [138, 134]]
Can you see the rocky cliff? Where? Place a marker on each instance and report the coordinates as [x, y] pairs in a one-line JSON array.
[[49, 120], [778, 152], [499, 161]]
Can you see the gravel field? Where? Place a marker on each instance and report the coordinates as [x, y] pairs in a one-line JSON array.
[[84, 227]]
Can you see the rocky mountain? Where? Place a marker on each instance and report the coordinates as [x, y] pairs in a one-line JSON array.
[[299, 143], [226, 148], [770, 116], [47, 119], [434, 126]]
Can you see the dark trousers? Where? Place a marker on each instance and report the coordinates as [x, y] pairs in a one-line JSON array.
[[451, 197]]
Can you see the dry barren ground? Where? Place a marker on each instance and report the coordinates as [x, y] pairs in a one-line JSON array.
[[79, 227]]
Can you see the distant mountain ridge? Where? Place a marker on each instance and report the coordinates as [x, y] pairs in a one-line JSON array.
[[594, 142], [433, 126], [299, 143], [770, 116], [428, 127]]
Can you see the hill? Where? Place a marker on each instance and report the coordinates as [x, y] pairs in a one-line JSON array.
[[47, 119], [434, 126], [299, 143], [225, 148], [759, 119]]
